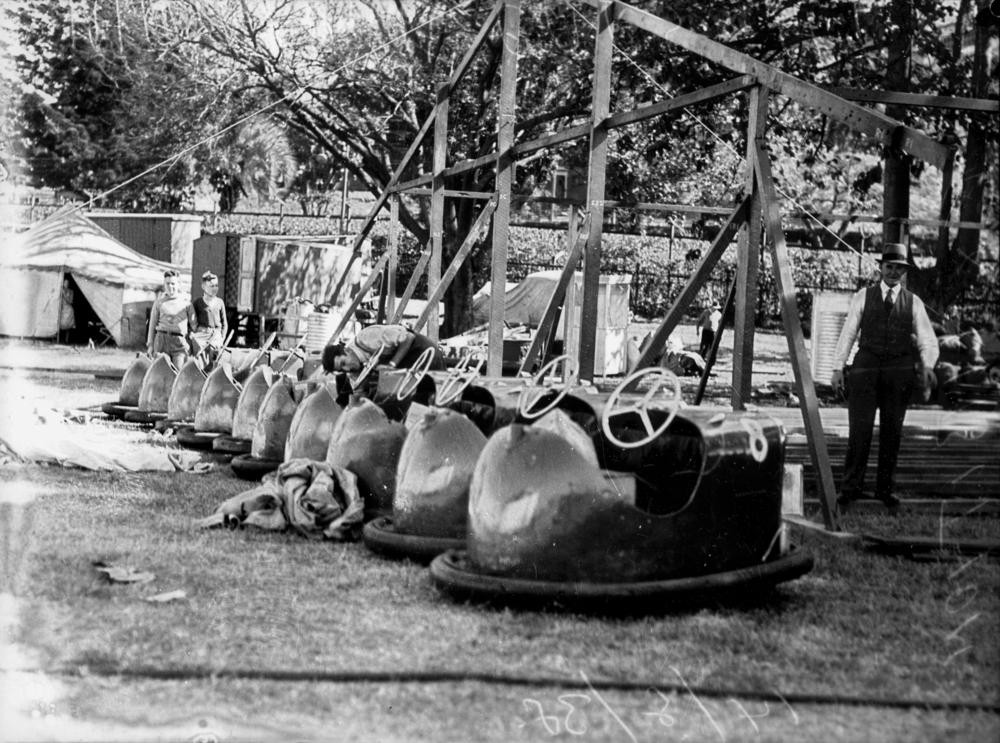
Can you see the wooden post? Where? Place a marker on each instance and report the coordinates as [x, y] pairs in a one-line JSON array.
[[411, 285], [748, 259], [456, 77], [440, 158], [713, 352], [600, 108], [393, 248], [542, 340], [504, 177], [343, 204], [694, 283], [456, 263], [805, 388]]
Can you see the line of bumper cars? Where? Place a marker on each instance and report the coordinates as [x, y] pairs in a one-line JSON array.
[[539, 493]]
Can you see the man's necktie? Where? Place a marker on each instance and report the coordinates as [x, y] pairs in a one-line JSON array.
[[888, 302]]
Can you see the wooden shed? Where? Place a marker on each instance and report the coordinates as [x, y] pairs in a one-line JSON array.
[[163, 237]]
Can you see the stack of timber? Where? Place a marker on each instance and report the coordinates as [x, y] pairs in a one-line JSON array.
[[948, 460]]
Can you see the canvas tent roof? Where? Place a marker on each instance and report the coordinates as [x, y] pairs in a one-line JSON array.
[[118, 283], [68, 240]]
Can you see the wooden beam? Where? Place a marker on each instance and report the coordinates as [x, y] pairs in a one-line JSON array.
[[748, 260], [987, 105], [504, 178], [693, 285], [390, 307], [702, 95], [453, 80], [449, 193], [884, 129], [433, 297], [806, 390], [547, 325], [580, 131], [596, 174], [411, 285], [436, 218]]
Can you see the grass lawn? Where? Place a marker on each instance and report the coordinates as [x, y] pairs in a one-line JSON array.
[[859, 626]]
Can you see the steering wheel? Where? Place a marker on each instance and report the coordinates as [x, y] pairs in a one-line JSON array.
[[415, 374], [616, 407], [367, 368], [530, 395], [458, 380]]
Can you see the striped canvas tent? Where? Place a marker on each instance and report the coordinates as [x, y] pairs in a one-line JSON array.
[[118, 283]]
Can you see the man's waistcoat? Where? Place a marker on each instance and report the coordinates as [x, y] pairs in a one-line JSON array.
[[887, 337]]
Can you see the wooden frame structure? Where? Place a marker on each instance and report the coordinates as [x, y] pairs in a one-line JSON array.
[[756, 215]]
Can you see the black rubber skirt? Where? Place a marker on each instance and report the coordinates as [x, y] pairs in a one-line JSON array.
[[381, 537], [247, 467], [230, 445], [192, 439], [454, 575]]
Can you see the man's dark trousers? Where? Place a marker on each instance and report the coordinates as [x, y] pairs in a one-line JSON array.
[[872, 386]]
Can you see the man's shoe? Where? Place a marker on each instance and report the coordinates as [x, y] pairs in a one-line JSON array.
[[845, 500], [891, 502]]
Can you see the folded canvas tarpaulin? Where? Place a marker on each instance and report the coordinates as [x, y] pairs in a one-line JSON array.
[[524, 303], [119, 283], [49, 437], [315, 499]]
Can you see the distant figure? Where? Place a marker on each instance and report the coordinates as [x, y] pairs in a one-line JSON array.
[[402, 347], [893, 333], [168, 322], [708, 325], [207, 323], [951, 322], [991, 343], [67, 315]]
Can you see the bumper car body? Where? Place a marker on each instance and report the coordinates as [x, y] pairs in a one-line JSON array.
[[130, 389], [186, 392], [217, 403], [312, 424], [694, 510]]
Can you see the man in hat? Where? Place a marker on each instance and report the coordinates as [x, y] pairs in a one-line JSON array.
[[893, 334], [708, 325]]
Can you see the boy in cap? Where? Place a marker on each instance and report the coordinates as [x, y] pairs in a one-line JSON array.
[[168, 322], [207, 319], [893, 332]]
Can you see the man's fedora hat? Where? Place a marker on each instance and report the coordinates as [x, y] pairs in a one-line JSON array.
[[894, 253]]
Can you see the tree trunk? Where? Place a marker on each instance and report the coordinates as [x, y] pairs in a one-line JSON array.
[[963, 267], [896, 174]]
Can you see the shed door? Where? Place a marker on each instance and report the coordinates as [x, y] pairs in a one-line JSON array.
[[248, 271]]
